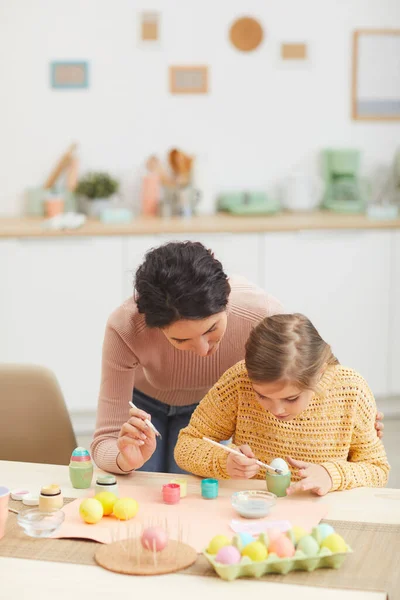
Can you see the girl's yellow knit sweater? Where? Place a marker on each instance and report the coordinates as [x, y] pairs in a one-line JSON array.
[[337, 430]]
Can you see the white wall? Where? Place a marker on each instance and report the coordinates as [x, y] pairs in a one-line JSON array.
[[259, 120]]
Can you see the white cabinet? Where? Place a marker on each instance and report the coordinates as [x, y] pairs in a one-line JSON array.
[[341, 281], [239, 253], [394, 364], [55, 302]]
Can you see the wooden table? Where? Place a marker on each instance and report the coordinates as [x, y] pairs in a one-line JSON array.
[[59, 580]]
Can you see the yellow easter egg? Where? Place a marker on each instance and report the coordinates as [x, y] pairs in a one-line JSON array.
[[107, 500], [334, 543], [256, 551], [125, 509], [218, 542], [91, 510], [296, 533]]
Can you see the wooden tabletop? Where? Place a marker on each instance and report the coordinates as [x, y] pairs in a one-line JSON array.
[[65, 580], [14, 227]]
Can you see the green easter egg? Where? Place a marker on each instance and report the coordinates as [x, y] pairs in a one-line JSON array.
[[295, 534], [256, 551], [308, 545], [335, 543], [218, 542]]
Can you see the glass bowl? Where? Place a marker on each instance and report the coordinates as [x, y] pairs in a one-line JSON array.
[[40, 524], [253, 504]]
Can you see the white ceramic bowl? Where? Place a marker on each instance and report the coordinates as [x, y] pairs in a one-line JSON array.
[[253, 504]]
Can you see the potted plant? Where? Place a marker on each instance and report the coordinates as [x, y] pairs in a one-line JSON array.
[[97, 190]]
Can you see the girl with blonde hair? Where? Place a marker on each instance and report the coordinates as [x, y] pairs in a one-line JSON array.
[[289, 398]]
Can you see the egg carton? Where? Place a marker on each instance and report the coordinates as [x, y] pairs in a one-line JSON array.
[[274, 564]]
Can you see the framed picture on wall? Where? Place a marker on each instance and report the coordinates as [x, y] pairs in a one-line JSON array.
[[376, 75], [188, 80], [69, 74], [149, 29]]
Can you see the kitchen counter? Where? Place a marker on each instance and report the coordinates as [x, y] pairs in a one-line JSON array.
[[25, 227]]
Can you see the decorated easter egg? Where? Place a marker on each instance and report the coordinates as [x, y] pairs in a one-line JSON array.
[[308, 545], [228, 555], [107, 500], [91, 510], [322, 531], [218, 542], [154, 538], [125, 509], [295, 534], [256, 551], [274, 533], [335, 543], [279, 463], [282, 547], [80, 455]]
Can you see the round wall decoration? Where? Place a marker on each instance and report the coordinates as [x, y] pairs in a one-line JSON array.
[[246, 34]]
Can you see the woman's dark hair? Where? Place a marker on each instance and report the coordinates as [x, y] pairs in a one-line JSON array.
[[180, 280]]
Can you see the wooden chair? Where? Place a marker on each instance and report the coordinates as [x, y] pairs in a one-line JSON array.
[[34, 422]]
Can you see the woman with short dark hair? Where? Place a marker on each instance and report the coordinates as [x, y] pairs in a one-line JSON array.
[[185, 326]]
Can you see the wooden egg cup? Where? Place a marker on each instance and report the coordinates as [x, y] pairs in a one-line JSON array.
[[129, 557]]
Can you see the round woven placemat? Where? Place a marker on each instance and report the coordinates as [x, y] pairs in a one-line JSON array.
[[129, 558], [246, 34]]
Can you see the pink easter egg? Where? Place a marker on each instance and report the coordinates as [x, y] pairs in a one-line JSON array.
[[154, 538], [228, 555], [273, 533], [282, 546]]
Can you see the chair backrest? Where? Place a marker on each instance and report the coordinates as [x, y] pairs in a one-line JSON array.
[[34, 422]]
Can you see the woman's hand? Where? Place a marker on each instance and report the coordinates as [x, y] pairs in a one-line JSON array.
[[314, 478], [242, 467], [379, 426], [136, 441]]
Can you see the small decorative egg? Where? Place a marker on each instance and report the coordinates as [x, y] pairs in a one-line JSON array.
[[308, 545], [279, 463], [154, 538], [322, 531], [282, 547], [228, 555], [335, 543], [256, 551], [274, 533], [125, 509], [295, 534], [218, 542]]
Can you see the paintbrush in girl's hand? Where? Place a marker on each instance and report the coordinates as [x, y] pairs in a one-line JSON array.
[[233, 451]]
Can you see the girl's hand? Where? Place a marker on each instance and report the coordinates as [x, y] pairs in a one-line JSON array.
[[379, 426], [242, 467], [315, 478], [136, 441]]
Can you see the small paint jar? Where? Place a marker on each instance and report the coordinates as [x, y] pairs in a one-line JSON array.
[[171, 493], [106, 483], [50, 498], [183, 486], [278, 484], [81, 469], [209, 488]]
